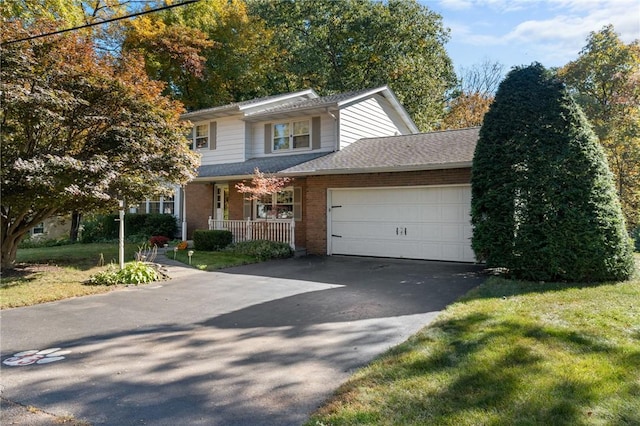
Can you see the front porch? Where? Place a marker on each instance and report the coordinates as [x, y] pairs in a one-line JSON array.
[[278, 230]]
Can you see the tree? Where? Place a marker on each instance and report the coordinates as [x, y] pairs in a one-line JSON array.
[[337, 46], [262, 186], [210, 53], [544, 204], [80, 131], [605, 80], [473, 95]]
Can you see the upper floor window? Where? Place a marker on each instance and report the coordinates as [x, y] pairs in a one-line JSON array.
[[291, 135], [203, 136]]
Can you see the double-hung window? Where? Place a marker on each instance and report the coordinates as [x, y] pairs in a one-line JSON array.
[[291, 135], [203, 136], [286, 204]]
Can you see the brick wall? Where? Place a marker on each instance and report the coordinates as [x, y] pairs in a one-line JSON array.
[[315, 213], [199, 200]]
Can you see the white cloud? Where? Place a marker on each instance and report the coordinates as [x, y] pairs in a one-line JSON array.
[[456, 4], [560, 35]]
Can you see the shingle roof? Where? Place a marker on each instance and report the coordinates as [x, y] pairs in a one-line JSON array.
[[316, 103], [236, 106], [272, 164], [451, 148]]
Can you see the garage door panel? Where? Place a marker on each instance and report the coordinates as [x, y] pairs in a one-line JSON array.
[[415, 222], [375, 213]]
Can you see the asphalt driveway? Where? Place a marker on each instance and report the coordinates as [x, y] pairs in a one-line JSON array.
[[261, 344]]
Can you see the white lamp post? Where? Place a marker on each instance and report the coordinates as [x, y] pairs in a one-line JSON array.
[[121, 239]]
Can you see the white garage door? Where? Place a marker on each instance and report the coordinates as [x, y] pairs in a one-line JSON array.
[[413, 222]]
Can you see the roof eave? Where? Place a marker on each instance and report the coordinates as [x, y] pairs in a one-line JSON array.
[[382, 169]]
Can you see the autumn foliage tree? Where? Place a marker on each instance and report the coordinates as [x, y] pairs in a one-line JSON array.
[[209, 53], [605, 80], [470, 100], [80, 131], [263, 185]]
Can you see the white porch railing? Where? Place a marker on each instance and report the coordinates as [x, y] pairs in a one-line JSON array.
[[279, 230]]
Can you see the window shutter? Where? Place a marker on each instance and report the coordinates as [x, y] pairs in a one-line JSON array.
[[246, 209], [213, 135], [297, 203], [267, 138], [189, 137], [315, 133]]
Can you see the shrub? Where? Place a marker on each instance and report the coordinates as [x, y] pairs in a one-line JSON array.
[[133, 273], [137, 227], [211, 240], [262, 249], [158, 241], [42, 242], [635, 234], [544, 204]]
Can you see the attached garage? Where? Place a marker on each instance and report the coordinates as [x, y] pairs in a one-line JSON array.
[[405, 196], [428, 222]]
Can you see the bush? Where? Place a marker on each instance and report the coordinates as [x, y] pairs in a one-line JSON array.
[[158, 241], [133, 273], [42, 242], [262, 249], [137, 227], [544, 204], [635, 234], [211, 240]]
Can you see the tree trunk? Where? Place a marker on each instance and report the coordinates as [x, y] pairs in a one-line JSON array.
[[76, 217], [9, 250]]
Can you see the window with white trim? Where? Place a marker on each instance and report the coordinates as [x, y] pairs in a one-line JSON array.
[[201, 137], [286, 204], [38, 229], [292, 135]]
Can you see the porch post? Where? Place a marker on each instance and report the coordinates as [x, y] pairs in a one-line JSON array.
[[292, 241]]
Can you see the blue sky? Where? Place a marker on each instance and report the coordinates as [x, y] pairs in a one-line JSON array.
[[519, 32]]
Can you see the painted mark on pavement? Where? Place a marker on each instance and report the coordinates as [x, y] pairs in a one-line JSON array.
[[35, 356]]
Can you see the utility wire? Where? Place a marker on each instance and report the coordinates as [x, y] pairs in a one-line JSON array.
[[93, 24]]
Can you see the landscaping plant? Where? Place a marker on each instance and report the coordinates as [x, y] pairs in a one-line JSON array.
[[544, 205]]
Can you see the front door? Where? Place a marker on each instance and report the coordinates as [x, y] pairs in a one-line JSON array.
[[221, 204]]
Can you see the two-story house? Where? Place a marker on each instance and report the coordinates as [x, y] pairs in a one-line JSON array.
[[364, 181]]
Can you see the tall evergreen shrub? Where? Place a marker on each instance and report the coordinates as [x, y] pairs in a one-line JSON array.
[[544, 204]]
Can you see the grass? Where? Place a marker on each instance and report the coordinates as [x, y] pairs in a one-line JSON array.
[[212, 260], [508, 353], [47, 274]]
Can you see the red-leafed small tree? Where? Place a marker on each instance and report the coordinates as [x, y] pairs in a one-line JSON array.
[[263, 185]]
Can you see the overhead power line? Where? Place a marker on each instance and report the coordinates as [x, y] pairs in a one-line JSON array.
[[93, 24]]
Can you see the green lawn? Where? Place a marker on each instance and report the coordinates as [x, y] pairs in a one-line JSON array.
[[211, 260], [509, 353], [53, 273]]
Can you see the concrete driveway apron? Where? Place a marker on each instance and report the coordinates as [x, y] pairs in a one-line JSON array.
[[261, 344]]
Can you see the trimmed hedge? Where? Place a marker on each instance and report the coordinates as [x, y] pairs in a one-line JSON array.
[[262, 249], [215, 240], [106, 227]]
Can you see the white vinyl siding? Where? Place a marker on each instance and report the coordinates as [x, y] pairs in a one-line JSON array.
[[230, 142], [366, 119]]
